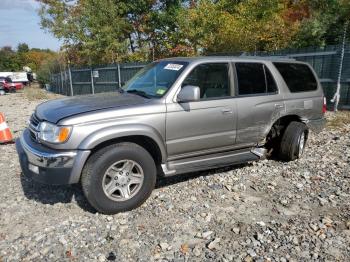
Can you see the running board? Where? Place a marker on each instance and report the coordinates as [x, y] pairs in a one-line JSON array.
[[211, 161]]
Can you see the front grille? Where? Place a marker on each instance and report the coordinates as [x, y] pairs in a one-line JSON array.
[[32, 135], [34, 120], [34, 123]]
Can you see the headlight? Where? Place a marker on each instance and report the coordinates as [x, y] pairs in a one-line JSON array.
[[54, 134]]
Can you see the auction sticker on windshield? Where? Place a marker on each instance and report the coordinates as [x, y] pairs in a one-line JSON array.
[[175, 67]]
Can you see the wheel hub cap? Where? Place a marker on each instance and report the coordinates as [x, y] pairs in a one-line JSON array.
[[122, 180]]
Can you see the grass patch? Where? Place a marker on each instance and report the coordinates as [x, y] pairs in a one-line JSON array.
[[34, 92], [338, 119]]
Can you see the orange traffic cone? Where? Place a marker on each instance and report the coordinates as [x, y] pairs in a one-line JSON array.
[[5, 133]]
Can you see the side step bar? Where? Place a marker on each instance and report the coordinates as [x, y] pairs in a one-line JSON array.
[[212, 161]]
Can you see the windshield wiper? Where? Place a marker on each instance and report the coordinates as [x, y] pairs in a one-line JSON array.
[[139, 92]]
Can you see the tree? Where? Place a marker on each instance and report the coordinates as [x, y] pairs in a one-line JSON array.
[[9, 60], [324, 24], [94, 30], [109, 31], [251, 25], [22, 48], [51, 64], [34, 59]]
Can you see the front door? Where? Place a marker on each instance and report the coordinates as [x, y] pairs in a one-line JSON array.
[[207, 125]]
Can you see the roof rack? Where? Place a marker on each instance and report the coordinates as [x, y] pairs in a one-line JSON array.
[[247, 55], [272, 58]]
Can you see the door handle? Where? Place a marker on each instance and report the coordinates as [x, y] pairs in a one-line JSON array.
[[227, 111], [279, 106]]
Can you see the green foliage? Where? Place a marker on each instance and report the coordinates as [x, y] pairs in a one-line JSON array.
[[43, 62], [91, 30], [249, 25], [22, 48], [9, 61], [325, 24], [109, 31]]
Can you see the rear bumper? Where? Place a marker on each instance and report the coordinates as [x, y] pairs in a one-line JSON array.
[[49, 166], [316, 125]]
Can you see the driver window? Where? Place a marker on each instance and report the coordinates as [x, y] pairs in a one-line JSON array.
[[212, 80]]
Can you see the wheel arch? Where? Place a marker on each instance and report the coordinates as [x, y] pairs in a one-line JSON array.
[[143, 135], [283, 121]]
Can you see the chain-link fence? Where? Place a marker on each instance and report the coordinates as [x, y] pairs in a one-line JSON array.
[[325, 61], [93, 80]]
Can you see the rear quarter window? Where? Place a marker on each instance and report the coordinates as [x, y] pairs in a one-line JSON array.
[[298, 77]]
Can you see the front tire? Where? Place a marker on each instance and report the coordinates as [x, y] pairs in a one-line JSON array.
[[293, 141], [119, 178]]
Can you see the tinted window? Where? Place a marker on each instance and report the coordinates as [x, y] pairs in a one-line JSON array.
[[212, 79], [254, 78], [298, 77]]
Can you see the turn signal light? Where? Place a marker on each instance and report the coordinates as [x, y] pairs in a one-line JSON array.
[[63, 134]]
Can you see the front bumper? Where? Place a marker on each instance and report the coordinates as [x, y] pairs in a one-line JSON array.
[[49, 166], [316, 125]]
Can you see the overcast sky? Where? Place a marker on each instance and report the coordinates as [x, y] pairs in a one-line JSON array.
[[19, 22]]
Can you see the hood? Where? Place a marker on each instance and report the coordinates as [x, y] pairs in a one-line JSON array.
[[55, 110]]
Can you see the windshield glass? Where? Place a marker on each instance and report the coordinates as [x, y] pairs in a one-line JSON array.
[[155, 79]]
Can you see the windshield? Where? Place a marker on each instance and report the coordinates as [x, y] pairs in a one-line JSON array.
[[155, 79]]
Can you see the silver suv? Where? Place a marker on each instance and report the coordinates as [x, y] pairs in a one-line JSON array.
[[174, 116]]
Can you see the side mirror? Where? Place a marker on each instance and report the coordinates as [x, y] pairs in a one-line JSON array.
[[189, 94]]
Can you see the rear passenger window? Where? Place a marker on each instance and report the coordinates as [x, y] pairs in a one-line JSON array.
[[298, 77], [254, 78]]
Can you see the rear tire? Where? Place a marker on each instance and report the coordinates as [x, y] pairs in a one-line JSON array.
[[105, 172], [293, 141]]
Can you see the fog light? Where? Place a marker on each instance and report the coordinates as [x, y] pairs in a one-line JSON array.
[[34, 169]]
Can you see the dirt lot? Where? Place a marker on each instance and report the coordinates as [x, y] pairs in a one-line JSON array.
[[262, 211]]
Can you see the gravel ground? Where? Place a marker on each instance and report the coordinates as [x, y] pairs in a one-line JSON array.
[[261, 211]]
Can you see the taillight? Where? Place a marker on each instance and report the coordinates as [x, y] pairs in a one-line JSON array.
[[324, 106]]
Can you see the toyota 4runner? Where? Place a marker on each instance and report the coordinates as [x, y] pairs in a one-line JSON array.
[[174, 116]]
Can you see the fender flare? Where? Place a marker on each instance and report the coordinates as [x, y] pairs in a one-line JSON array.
[[119, 131]]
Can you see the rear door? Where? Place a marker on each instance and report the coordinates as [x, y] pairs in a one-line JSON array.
[[259, 101]]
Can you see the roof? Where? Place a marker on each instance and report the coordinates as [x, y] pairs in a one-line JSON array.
[[233, 58]]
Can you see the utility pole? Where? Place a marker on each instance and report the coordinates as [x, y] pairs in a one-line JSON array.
[[336, 96]]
